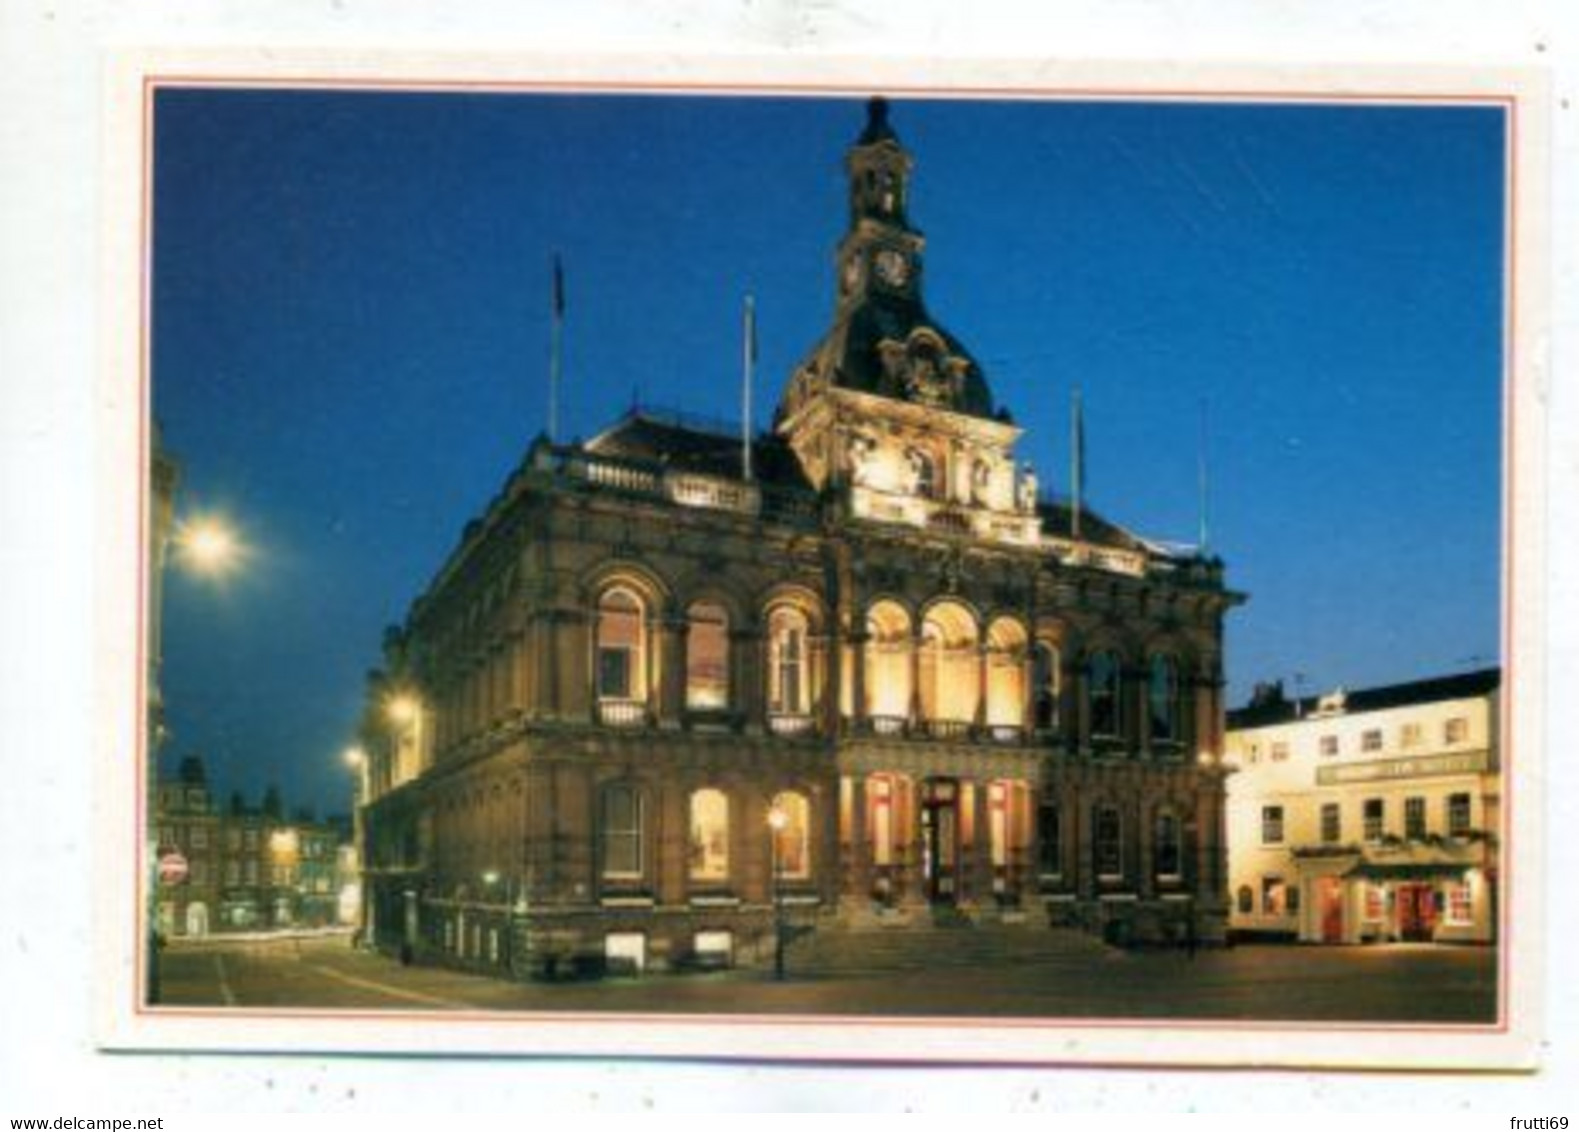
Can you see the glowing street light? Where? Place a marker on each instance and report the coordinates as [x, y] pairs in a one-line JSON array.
[[403, 709], [209, 545]]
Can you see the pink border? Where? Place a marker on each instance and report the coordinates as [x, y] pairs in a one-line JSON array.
[[1510, 105]]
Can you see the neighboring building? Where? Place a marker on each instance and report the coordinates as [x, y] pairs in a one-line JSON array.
[[1367, 815], [956, 699], [248, 868]]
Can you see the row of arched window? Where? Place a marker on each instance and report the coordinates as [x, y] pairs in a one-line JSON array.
[[945, 672], [625, 837]]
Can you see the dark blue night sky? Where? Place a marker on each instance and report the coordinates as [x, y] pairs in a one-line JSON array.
[[351, 313]]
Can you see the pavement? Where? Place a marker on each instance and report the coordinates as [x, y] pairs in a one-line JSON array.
[[1265, 982]]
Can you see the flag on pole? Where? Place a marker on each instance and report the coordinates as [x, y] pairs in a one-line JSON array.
[[559, 288]]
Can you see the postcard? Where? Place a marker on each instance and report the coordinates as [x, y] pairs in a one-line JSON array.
[[822, 560]]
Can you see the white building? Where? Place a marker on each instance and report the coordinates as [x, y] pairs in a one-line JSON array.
[[1369, 815]]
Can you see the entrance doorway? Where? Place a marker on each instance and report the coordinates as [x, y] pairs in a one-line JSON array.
[[1329, 906], [940, 839], [1416, 913]]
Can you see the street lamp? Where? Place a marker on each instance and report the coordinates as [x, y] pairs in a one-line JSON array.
[[208, 545], [777, 821]]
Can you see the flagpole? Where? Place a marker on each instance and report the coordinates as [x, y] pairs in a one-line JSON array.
[[554, 345], [1202, 475], [748, 364], [1077, 444]]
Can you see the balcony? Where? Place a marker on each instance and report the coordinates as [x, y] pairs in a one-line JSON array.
[[622, 713]]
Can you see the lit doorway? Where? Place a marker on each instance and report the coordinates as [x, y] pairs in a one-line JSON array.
[[940, 839]]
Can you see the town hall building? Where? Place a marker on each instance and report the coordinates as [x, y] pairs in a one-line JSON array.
[[862, 675]]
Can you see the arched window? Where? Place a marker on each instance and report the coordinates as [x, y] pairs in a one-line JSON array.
[[709, 846], [1163, 699], [789, 691], [1169, 848], [924, 473], [792, 836], [1103, 679], [621, 821], [1045, 683], [621, 646], [1107, 845], [1006, 640], [888, 645], [707, 657], [950, 684]]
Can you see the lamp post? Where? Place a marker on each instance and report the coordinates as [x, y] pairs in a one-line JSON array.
[[777, 820]]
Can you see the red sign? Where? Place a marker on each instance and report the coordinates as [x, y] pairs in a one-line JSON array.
[[172, 868]]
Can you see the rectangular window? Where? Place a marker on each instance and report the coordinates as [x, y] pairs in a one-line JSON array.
[[1414, 818], [199, 837], [614, 673], [1329, 745], [1108, 844], [1371, 740], [1375, 902], [1274, 896], [1375, 819], [1457, 815], [1460, 904], [1331, 822], [1455, 730], [1279, 752], [1271, 825], [1411, 735], [622, 833], [1050, 859], [1169, 847], [252, 872]]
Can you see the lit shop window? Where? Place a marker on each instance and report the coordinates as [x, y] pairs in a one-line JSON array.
[[1103, 678], [792, 836], [1163, 699], [1271, 825], [1375, 902], [707, 657], [1170, 845], [621, 825], [1460, 904], [709, 850], [621, 645], [1274, 896]]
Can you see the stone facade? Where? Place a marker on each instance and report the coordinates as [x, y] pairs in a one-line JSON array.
[[665, 690]]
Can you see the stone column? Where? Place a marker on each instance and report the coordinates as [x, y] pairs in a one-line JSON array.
[[915, 675], [746, 647], [673, 842], [980, 865], [1143, 714], [858, 705], [858, 845], [983, 659], [571, 658], [670, 699], [1146, 880]]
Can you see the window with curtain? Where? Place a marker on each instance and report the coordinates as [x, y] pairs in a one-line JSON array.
[[709, 845], [792, 841], [707, 657], [621, 636], [788, 691], [1103, 679], [620, 828]]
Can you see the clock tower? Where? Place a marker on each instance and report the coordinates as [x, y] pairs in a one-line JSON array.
[[889, 408]]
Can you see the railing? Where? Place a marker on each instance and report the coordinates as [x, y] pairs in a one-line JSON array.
[[1008, 734], [790, 723], [622, 713], [692, 490], [889, 725], [947, 729]]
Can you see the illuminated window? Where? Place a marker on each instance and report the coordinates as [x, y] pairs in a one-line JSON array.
[[1108, 843], [621, 832], [1163, 699], [1045, 678], [1274, 896], [792, 840], [1414, 818], [882, 806], [709, 849], [949, 660], [888, 645], [1049, 840], [1169, 845], [621, 646], [1331, 822], [1103, 677], [1006, 641], [788, 691], [1460, 904], [1375, 819], [1457, 814], [1371, 740], [1375, 902], [1271, 825], [707, 657]]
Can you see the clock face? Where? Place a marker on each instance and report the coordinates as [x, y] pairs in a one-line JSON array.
[[892, 267]]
